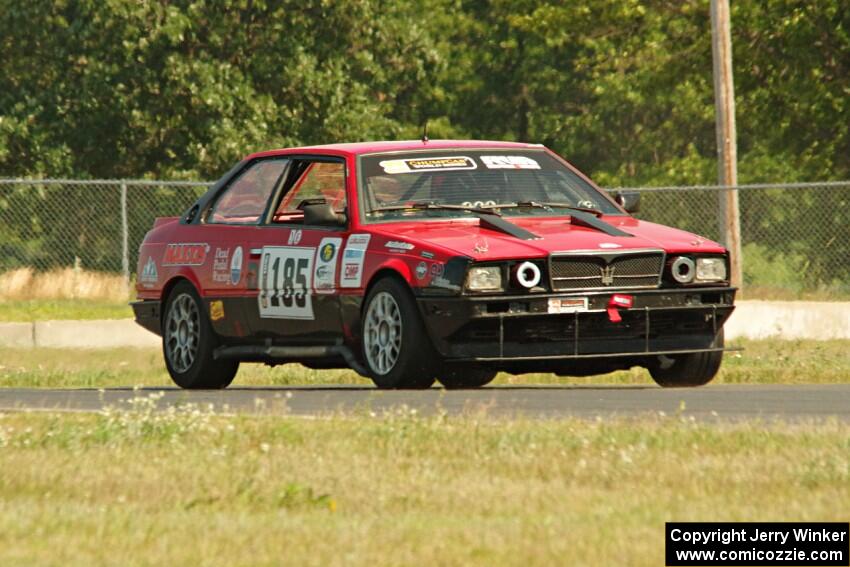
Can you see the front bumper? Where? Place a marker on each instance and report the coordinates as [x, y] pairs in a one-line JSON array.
[[521, 328]]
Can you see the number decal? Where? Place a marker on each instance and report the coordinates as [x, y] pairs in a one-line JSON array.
[[478, 204], [285, 283]]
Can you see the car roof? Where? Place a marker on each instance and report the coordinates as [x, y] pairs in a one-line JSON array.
[[360, 148]]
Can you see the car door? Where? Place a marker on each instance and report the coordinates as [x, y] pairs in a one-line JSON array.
[[297, 260], [232, 228]]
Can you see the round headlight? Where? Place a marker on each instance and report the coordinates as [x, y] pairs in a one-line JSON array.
[[683, 269], [527, 275]]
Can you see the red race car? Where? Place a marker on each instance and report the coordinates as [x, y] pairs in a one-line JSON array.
[[418, 261]]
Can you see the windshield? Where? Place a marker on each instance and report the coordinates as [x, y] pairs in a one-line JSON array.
[[452, 183]]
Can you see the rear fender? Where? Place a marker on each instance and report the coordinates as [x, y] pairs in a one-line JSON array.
[[181, 274]]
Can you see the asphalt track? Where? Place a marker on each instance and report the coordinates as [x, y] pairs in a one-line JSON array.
[[769, 402]]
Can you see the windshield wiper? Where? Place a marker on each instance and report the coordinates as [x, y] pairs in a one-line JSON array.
[[549, 205], [488, 217], [432, 206]]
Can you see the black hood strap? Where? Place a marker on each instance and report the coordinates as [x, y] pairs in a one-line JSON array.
[[591, 221], [494, 222], [498, 223]]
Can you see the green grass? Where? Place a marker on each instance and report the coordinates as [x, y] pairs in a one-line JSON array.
[[186, 488], [25, 310], [761, 362]]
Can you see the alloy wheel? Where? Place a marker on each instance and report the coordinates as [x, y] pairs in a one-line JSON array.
[[382, 333], [182, 332]]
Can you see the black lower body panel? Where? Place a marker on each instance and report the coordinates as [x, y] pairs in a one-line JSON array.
[[147, 315], [500, 329]]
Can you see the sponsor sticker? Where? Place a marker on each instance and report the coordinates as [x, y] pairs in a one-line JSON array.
[[221, 265], [294, 237], [325, 275], [421, 270], [359, 241], [149, 276], [609, 245], [436, 270], [426, 254], [450, 163], [567, 304], [351, 271], [185, 254], [509, 162], [216, 310], [236, 266], [353, 258], [399, 246], [327, 250]]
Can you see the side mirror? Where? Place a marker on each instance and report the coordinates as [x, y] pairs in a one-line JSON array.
[[322, 214], [629, 200]]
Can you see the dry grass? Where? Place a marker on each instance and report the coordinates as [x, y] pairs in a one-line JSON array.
[[68, 283], [186, 488]]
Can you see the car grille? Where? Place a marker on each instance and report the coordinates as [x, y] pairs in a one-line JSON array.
[[623, 270]]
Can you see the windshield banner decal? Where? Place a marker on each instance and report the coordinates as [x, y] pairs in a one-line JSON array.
[[451, 163], [509, 162]]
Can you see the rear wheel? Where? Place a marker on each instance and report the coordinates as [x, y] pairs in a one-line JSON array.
[[188, 342], [396, 348], [688, 370], [455, 377]]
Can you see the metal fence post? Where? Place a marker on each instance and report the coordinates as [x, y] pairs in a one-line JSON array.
[[125, 239]]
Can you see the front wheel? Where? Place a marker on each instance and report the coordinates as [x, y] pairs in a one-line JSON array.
[[188, 342], [396, 348], [688, 370]]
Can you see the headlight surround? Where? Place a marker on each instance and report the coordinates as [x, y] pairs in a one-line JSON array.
[[527, 275], [683, 269], [484, 278], [711, 269]]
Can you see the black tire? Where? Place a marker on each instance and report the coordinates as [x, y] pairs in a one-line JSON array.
[[689, 370], [188, 342], [409, 356], [457, 376]]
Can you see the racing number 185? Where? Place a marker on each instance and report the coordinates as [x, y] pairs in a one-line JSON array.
[[294, 273], [286, 282]]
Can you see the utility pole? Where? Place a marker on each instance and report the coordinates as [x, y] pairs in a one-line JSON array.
[[727, 150]]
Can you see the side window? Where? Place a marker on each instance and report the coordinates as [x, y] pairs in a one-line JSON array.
[[244, 201], [320, 180]]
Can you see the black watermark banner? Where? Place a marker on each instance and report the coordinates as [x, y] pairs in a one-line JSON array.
[[757, 543]]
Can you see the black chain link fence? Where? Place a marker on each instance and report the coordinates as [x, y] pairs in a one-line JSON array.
[[796, 237], [93, 225]]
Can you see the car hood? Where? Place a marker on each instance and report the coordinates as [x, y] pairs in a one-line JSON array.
[[467, 237]]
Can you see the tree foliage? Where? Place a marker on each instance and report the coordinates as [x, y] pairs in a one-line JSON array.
[[130, 88], [182, 89]]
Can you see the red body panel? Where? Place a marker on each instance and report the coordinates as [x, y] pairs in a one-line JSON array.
[[467, 237]]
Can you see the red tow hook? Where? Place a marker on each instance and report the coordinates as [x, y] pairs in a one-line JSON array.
[[618, 301]]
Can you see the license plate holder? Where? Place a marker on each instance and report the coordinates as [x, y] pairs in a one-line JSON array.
[[560, 305]]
